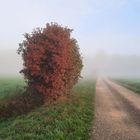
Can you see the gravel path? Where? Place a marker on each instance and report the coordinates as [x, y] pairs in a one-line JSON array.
[[117, 112]]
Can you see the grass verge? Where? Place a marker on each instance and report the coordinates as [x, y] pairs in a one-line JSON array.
[[68, 120], [132, 84]]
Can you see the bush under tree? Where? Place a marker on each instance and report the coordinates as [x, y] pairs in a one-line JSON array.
[[52, 62]]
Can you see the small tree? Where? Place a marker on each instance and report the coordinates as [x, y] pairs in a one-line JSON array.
[[52, 63]]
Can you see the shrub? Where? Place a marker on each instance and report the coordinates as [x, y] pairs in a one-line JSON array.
[[52, 63]]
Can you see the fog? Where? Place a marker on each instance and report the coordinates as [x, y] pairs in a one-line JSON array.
[[10, 62], [107, 31], [99, 64], [112, 65], [118, 65]]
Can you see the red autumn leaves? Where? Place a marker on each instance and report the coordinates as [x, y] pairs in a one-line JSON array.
[[52, 63]]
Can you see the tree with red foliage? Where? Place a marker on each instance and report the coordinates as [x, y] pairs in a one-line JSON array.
[[52, 63]]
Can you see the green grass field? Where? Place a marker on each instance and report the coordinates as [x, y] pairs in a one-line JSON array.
[[10, 86], [132, 84], [68, 120]]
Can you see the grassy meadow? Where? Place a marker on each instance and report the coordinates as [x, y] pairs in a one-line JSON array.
[[69, 119], [132, 84], [11, 86]]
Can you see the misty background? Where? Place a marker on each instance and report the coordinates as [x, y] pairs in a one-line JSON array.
[[107, 31]]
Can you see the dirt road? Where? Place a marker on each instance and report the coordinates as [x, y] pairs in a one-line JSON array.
[[117, 112]]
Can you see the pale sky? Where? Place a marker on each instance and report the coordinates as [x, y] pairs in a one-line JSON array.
[[112, 26]]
